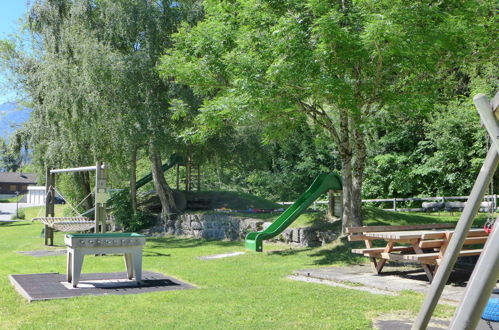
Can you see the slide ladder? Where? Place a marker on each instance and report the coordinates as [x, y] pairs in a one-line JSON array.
[[321, 184]]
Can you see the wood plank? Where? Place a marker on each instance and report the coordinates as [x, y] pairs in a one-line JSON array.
[[436, 243], [475, 240], [382, 262], [474, 232], [399, 235], [426, 258], [466, 253], [355, 238], [366, 229], [378, 250]]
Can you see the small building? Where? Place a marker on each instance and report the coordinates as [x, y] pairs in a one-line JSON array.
[[36, 195], [10, 182]]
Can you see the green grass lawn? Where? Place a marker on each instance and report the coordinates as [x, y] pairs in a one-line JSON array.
[[39, 211], [247, 291], [9, 199]]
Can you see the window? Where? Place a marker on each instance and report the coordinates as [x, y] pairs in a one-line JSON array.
[[12, 187]]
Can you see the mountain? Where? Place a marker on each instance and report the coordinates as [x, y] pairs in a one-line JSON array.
[[12, 116]]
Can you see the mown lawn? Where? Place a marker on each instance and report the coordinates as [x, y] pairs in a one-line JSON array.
[[247, 291]]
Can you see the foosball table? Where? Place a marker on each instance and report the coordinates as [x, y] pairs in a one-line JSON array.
[[78, 245]]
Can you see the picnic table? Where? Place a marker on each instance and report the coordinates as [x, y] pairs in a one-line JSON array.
[[426, 247]]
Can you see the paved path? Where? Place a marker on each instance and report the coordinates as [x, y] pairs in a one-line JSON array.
[[9, 209]]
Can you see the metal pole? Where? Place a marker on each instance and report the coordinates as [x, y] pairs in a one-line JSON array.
[[75, 169], [485, 274], [480, 286], [466, 220], [457, 240], [17, 204]]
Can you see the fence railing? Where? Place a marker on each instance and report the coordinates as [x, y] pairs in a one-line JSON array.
[[486, 204]]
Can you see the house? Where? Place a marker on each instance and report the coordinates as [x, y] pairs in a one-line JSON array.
[[10, 182]]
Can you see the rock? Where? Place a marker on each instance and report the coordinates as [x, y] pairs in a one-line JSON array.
[[224, 226], [296, 238], [196, 225], [288, 235], [326, 236]]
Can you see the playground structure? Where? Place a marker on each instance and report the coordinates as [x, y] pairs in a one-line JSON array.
[[174, 160], [102, 197], [486, 272], [192, 173], [79, 223], [323, 183]]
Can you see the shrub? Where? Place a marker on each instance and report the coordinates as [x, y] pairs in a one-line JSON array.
[[121, 208], [21, 215]]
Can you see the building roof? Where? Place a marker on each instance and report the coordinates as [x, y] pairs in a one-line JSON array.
[[16, 177]]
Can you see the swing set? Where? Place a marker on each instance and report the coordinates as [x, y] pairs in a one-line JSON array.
[[78, 223], [486, 272]]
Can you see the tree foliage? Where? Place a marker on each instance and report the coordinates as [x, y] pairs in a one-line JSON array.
[[266, 94], [339, 63]]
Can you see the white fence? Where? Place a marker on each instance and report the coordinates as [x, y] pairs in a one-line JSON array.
[[488, 200]]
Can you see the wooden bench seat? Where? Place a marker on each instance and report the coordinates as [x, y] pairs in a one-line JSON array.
[[432, 258], [370, 251], [426, 258]]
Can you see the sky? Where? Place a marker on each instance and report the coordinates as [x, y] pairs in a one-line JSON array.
[[10, 12]]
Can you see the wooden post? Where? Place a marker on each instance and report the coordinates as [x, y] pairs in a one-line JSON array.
[[47, 201], [100, 198], [49, 205], [199, 177], [394, 204], [178, 176], [330, 204], [188, 175]]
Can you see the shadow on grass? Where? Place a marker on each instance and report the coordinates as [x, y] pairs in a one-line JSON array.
[[340, 252], [173, 242], [13, 224], [148, 253], [288, 252]]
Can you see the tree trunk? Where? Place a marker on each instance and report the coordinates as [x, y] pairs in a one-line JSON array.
[[359, 165], [85, 184], [165, 193], [345, 152], [346, 173], [133, 178]]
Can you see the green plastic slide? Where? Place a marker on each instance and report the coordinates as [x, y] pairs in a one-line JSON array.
[[321, 184]]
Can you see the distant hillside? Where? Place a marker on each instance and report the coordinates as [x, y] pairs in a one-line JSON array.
[[12, 116]]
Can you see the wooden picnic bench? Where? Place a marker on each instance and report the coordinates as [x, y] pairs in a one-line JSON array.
[[423, 244]]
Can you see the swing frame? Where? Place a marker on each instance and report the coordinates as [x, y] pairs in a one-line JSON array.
[[101, 196], [486, 272]]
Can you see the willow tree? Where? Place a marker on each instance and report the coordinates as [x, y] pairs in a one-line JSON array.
[[92, 82], [340, 63]]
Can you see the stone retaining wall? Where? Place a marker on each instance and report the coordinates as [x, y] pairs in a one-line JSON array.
[[224, 226], [209, 226]]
